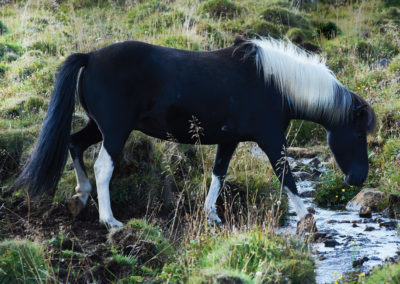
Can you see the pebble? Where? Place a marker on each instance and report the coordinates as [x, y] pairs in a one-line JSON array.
[[360, 261], [369, 229], [311, 210], [330, 243]]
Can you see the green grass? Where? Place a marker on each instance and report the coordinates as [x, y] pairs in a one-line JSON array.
[[23, 262]]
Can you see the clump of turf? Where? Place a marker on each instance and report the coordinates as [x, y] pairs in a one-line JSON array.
[[144, 242], [221, 8]]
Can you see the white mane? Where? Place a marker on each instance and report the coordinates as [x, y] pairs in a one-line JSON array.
[[309, 86]]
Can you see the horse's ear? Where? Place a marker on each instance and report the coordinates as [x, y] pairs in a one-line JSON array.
[[358, 110]]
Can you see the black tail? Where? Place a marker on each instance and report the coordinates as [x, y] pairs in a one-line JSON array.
[[46, 163]]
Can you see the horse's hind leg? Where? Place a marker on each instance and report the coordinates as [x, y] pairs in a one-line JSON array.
[[80, 141], [104, 166], [221, 163]]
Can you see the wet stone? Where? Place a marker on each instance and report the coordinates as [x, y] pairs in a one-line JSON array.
[[359, 262], [394, 205], [365, 212], [307, 193], [315, 162], [344, 222], [369, 229], [302, 176], [391, 225], [330, 243], [354, 225], [311, 210], [316, 173]]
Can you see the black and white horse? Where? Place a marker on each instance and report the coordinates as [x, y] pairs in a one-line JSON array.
[[246, 92]]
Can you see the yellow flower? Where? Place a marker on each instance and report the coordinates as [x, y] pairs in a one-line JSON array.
[[358, 88], [343, 190], [337, 196], [340, 277], [361, 274]]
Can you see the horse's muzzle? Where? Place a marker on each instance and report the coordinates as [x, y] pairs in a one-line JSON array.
[[354, 179]]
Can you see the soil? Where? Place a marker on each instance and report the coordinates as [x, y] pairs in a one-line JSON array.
[[84, 238]]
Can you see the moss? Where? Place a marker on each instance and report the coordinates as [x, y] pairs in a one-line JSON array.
[[221, 8], [296, 35], [23, 261], [285, 17], [10, 52], [264, 28], [143, 241], [329, 29]]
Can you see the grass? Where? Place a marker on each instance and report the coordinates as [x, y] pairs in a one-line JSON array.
[[23, 262], [37, 35]]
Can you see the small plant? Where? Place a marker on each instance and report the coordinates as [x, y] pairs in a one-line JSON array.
[[332, 190]]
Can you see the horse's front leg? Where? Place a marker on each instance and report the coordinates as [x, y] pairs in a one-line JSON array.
[[221, 163], [276, 154]]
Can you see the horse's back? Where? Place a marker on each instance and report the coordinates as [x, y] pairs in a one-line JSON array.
[[159, 90]]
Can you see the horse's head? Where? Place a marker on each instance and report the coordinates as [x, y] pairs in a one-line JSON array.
[[349, 142]]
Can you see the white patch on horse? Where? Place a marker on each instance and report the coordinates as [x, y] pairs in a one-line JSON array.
[[303, 78], [297, 203], [103, 169], [83, 186], [211, 199]]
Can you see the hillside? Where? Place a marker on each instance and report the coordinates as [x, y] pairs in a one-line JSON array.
[[159, 186]]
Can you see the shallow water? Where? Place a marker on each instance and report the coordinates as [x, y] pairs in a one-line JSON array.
[[347, 229]]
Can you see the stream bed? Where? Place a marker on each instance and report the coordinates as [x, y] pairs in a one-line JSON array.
[[362, 242]]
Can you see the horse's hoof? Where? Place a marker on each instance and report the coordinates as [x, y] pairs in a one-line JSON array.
[[306, 225], [76, 206], [111, 222]]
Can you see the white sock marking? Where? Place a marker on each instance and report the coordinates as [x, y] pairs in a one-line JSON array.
[[297, 203], [83, 187], [211, 199], [103, 169]]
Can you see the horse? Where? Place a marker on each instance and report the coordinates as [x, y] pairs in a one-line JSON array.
[[249, 91]]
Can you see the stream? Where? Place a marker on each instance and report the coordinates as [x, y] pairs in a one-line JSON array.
[[350, 239]]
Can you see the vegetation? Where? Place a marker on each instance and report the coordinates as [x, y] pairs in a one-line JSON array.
[[161, 184]]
